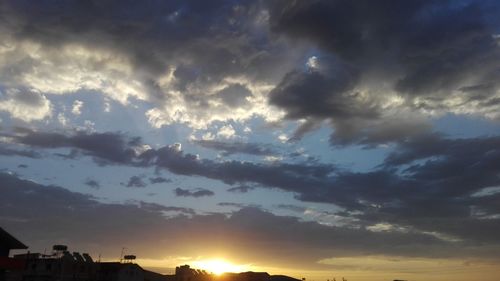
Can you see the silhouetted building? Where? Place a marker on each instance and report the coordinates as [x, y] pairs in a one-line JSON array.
[[7, 264], [59, 266], [186, 273], [116, 271], [62, 265], [153, 276]]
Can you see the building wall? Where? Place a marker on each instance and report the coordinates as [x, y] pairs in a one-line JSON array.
[[55, 269]]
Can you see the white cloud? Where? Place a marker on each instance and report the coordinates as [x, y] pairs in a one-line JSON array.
[[62, 119], [77, 107], [271, 158], [26, 105], [208, 109], [208, 136], [74, 67], [68, 69], [312, 62], [227, 132], [283, 138], [88, 126], [247, 130], [107, 107]]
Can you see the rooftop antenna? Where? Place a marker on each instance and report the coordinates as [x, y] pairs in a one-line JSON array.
[[121, 254]]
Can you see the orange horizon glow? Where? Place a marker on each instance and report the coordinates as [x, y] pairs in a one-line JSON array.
[[365, 268], [219, 266]]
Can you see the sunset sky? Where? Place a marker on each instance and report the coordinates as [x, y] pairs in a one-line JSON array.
[[315, 139]]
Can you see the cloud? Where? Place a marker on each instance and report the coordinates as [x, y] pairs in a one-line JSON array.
[[77, 107], [203, 63], [321, 93], [226, 132], [25, 105], [5, 150], [229, 148], [105, 147], [135, 181], [161, 208], [234, 95], [328, 92], [368, 75], [92, 183], [156, 180], [424, 177], [377, 64], [265, 236], [241, 189], [290, 177], [431, 49], [422, 190], [198, 192], [290, 207], [232, 204]]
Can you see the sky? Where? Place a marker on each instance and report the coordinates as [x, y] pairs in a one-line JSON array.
[[315, 139]]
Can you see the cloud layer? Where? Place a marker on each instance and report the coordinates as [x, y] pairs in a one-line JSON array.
[[269, 236]]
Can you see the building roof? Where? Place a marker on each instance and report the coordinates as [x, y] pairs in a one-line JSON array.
[[115, 266], [10, 242]]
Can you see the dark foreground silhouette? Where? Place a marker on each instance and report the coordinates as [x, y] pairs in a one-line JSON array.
[[62, 265]]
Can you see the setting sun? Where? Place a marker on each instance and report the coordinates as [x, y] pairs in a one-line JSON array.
[[219, 266]]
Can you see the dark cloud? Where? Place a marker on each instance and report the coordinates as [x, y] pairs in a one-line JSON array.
[[156, 180], [428, 177], [290, 207], [72, 154], [241, 189], [135, 181], [204, 43], [290, 177], [371, 133], [229, 148], [107, 148], [425, 50], [198, 192], [8, 151], [92, 183], [25, 97], [161, 208], [326, 92], [436, 182], [436, 43], [22, 166], [234, 95], [321, 92], [249, 233], [304, 128], [232, 204]]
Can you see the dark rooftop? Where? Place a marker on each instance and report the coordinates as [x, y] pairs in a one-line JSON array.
[[10, 242]]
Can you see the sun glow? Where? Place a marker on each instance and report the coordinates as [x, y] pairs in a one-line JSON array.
[[219, 266]]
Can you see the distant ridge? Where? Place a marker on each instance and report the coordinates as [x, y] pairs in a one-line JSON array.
[[282, 278]]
